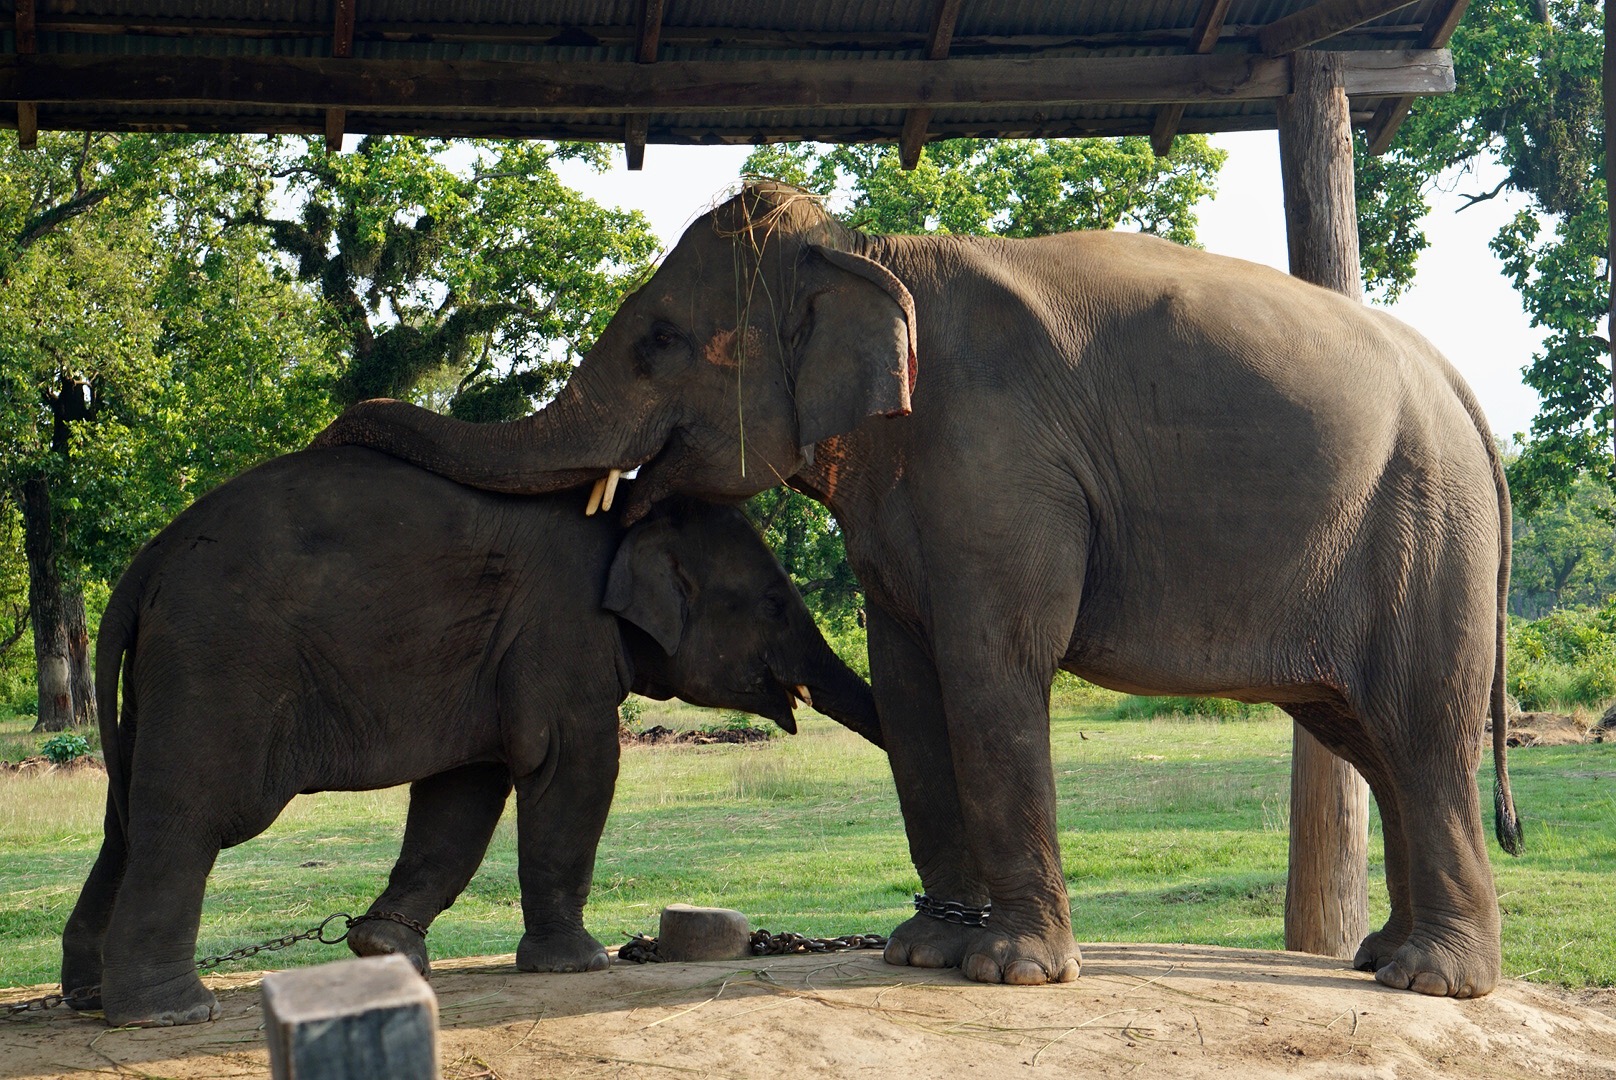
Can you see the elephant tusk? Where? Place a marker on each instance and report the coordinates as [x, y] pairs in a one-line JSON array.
[[611, 488], [594, 497], [802, 692]]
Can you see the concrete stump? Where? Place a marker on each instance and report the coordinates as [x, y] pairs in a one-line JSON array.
[[372, 1018], [696, 933]]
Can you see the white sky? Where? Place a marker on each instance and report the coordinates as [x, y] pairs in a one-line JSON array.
[[1460, 299]]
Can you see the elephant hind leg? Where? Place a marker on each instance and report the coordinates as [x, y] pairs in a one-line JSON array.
[[86, 929], [452, 817], [1424, 781], [1337, 726]]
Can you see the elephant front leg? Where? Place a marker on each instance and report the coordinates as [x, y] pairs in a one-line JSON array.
[[999, 731], [561, 812], [452, 817], [1000, 620], [910, 703]]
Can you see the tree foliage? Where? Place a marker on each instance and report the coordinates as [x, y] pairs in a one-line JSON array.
[[1565, 553], [1013, 187], [466, 268], [1529, 97]]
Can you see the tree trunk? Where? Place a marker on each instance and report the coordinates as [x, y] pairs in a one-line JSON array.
[[1607, 80], [1326, 896], [45, 608], [81, 675]]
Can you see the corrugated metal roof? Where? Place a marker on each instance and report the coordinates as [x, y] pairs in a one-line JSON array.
[[573, 35]]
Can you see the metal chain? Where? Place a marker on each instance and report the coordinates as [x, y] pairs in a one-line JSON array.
[[641, 949], [952, 911], [314, 933]]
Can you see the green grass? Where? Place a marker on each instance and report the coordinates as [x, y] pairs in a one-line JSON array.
[[1172, 830]]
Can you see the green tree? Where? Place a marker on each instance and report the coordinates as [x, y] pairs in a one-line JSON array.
[[465, 274], [93, 369], [1565, 553], [1016, 187], [1528, 96]]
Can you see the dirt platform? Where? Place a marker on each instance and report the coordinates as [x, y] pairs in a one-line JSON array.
[[1151, 1012]]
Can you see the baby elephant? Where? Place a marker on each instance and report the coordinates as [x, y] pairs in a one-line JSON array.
[[336, 619]]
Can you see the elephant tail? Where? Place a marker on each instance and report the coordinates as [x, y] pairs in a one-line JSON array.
[[114, 653], [1506, 822]]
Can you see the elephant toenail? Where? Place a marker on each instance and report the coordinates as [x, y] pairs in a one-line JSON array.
[[1025, 973], [1429, 982], [1070, 971], [927, 956], [1394, 976], [982, 969]]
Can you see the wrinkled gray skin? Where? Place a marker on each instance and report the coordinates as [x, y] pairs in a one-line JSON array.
[[1162, 470], [338, 620]]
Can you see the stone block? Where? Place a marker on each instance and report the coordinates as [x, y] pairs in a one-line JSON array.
[[372, 1018]]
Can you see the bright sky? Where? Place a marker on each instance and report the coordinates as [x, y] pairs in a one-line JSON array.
[[1460, 299]]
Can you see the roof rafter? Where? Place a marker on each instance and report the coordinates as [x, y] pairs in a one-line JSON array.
[[1322, 21], [913, 138], [342, 35], [1208, 25], [25, 39], [646, 46]]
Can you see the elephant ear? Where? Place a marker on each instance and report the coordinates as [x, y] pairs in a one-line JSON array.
[[646, 587], [852, 330]]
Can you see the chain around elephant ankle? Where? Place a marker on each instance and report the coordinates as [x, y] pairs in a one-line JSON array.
[[952, 911]]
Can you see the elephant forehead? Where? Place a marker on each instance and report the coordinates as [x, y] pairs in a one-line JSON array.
[[727, 348]]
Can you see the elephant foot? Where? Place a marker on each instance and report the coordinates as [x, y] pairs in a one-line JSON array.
[[80, 974], [1431, 969], [381, 937], [925, 942], [167, 1004], [571, 950], [1377, 949]]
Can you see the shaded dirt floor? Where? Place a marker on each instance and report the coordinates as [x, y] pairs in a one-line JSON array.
[[1144, 1011]]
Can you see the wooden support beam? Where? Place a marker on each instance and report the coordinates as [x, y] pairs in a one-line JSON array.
[[23, 33], [1391, 113], [1327, 895], [635, 137], [1208, 25], [944, 17], [645, 52], [1322, 21], [590, 88], [342, 36]]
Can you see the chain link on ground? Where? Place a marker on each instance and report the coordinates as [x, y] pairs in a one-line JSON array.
[[314, 933], [642, 949]]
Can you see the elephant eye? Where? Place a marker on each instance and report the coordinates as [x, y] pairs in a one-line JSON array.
[[772, 604], [663, 349]]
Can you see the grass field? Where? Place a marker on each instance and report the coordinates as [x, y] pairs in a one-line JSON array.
[[1172, 830]]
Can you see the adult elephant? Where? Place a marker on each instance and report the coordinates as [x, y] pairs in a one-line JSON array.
[[1162, 470]]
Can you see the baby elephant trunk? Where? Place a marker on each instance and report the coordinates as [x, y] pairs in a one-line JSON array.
[[837, 691]]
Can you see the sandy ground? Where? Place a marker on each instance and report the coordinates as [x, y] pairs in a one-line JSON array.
[[1151, 1012]]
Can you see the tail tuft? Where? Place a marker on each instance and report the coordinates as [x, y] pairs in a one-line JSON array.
[[1506, 822]]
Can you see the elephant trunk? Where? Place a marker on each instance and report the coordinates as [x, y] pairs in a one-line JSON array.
[[838, 692], [574, 440]]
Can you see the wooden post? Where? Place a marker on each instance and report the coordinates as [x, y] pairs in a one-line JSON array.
[[368, 1019], [1326, 896]]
